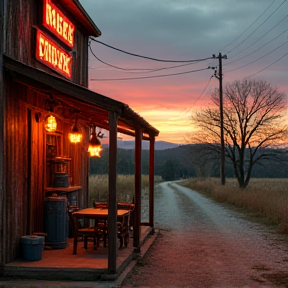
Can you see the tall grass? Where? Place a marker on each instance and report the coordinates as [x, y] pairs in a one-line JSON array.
[[98, 187], [262, 197]]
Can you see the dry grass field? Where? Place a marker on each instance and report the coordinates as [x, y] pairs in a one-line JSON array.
[[98, 187], [265, 198]]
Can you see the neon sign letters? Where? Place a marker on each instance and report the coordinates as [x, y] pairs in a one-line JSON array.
[[50, 54], [58, 23]]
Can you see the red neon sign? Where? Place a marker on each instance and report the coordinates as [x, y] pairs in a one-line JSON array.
[[50, 54], [58, 23]]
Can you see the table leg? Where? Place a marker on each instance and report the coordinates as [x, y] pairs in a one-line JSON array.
[[75, 233], [126, 230]]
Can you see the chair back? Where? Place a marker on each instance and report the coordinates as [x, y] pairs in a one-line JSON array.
[[100, 204]]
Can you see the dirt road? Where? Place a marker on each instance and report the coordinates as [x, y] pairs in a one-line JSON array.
[[202, 244]]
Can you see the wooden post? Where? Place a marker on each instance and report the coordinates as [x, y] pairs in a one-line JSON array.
[[112, 204], [137, 220], [151, 181], [2, 114]]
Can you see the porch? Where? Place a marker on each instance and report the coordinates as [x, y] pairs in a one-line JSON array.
[[86, 265], [28, 91]]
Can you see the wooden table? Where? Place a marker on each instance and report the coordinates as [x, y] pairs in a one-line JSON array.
[[101, 214]]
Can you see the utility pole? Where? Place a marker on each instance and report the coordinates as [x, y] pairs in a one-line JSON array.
[[219, 77]]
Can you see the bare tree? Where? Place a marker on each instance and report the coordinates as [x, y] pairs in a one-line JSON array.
[[253, 122]]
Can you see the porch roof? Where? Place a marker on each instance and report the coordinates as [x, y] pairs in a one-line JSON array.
[[93, 106]]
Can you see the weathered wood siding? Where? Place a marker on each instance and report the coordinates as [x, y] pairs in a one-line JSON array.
[[23, 17], [80, 67], [36, 168], [79, 162], [24, 134], [2, 117], [16, 177], [25, 164]]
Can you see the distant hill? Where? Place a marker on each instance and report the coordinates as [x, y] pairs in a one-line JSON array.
[[159, 145]]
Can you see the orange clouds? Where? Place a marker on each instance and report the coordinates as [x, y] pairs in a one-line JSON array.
[[164, 105]]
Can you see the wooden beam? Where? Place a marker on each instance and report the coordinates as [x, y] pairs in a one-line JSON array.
[[112, 204], [151, 181], [58, 85], [29, 74], [2, 115], [138, 174]]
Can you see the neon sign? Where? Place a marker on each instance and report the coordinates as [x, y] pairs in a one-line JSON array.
[[50, 54], [58, 23]]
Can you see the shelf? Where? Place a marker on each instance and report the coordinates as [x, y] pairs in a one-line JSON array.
[[58, 159], [63, 189]]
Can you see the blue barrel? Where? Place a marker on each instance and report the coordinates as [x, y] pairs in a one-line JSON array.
[[56, 222]]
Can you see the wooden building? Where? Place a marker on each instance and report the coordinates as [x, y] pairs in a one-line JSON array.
[[44, 72]]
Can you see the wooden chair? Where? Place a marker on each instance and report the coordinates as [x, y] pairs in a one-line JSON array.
[[131, 208], [89, 232], [102, 232], [122, 228], [97, 232]]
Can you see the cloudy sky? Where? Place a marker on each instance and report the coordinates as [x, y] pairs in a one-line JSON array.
[[252, 33]]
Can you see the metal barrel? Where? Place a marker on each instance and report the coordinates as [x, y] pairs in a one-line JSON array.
[[56, 222]]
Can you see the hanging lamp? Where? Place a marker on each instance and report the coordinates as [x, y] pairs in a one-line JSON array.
[[75, 135], [50, 122], [95, 147]]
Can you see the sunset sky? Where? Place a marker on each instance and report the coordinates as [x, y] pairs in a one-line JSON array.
[[252, 33]]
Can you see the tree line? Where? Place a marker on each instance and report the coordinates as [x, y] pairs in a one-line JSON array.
[[191, 160]]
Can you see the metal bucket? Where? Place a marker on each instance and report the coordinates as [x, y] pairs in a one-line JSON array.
[[60, 179], [32, 247]]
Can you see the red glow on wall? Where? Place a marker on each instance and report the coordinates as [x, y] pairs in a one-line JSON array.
[[58, 23], [50, 54]]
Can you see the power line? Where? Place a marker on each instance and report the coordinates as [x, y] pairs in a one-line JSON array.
[[140, 70], [203, 91], [248, 27], [150, 58], [257, 58], [258, 49], [268, 65], [262, 38], [113, 66], [146, 77], [257, 27], [198, 98]]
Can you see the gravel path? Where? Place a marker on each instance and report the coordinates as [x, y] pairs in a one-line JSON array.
[[202, 244]]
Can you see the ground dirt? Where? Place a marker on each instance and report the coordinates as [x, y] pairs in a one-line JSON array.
[[204, 244]]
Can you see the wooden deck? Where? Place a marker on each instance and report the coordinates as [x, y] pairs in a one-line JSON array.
[[61, 264]]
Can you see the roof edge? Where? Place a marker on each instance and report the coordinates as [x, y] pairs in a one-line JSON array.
[[75, 8], [83, 11]]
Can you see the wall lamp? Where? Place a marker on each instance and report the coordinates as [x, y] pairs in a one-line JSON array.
[[50, 123]]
